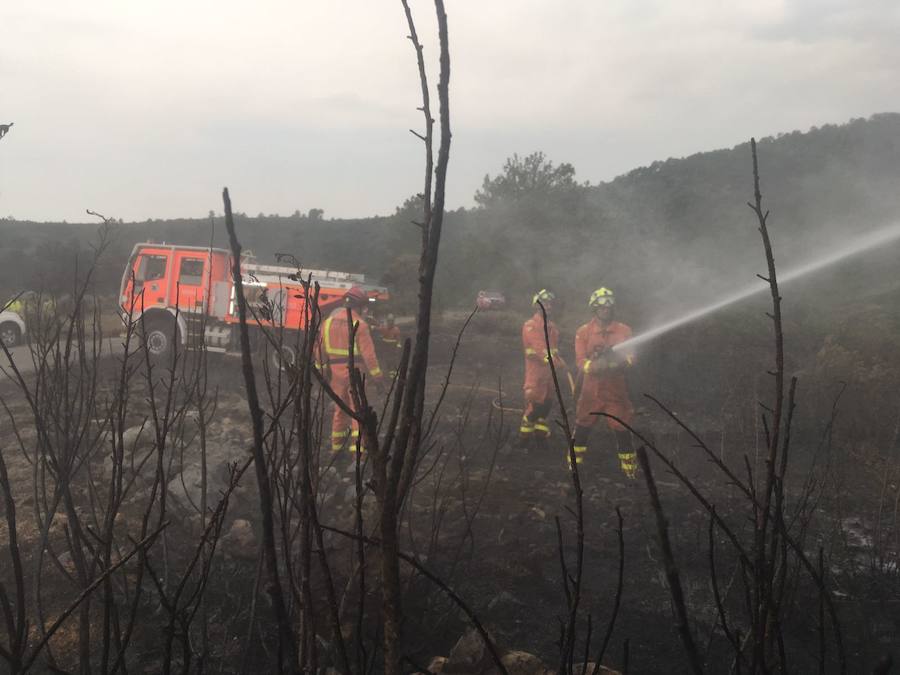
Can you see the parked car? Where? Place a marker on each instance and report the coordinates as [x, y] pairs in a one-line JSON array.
[[490, 300], [12, 328]]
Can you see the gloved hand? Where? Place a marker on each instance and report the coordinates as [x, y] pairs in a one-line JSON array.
[[615, 359], [599, 365], [546, 359]]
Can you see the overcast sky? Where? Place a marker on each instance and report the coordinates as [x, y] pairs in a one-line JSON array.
[[147, 108]]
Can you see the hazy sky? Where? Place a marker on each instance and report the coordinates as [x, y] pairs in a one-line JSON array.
[[146, 108]]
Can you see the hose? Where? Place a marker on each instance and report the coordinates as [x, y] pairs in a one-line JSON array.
[[495, 402]]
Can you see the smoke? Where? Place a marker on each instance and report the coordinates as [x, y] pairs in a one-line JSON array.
[[678, 236]]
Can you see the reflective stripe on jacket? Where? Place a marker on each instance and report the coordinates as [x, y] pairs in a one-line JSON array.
[[390, 335], [534, 342], [334, 347]]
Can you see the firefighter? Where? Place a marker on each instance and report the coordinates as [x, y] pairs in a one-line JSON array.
[[390, 334], [16, 306], [391, 343], [27, 303], [538, 389], [604, 388], [29, 306], [335, 353]]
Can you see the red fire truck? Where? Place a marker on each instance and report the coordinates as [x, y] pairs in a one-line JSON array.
[[186, 293]]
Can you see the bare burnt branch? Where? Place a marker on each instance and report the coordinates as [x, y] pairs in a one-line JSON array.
[[288, 650], [779, 522], [689, 484], [617, 601], [437, 581], [700, 443], [567, 651], [61, 619], [672, 575], [410, 428], [717, 596], [446, 383], [764, 566]]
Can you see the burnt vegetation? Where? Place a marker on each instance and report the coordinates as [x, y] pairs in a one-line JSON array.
[[186, 514]]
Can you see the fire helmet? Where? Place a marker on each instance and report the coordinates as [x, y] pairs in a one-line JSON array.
[[602, 297], [356, 296], [542, 296]]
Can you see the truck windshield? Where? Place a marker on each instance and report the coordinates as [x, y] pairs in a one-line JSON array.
[[151, 267]]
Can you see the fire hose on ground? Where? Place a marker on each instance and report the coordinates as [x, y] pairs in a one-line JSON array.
[[499, 396]]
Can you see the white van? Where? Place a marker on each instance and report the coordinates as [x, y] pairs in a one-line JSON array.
[[12, 328]]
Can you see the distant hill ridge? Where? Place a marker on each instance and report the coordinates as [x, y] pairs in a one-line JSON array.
[[653, 230]]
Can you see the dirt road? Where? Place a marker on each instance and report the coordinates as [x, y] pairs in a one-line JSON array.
[[25, 362]]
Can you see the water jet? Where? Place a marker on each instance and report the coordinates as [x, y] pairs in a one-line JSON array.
[[864, 243]]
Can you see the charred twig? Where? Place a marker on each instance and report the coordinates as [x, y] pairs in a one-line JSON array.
[[567, 652], [821, 623], [688, 483], [795, 546], [672, 576], [409, 436], [106, 221], [288, 651], [61, 619], [700, 443], [437, 406], [717, 596], [618, 599], [564, 570], [16, 627], [764, 566], [437, 581]]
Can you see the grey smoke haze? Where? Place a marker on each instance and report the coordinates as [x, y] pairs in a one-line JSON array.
[[147, 109]]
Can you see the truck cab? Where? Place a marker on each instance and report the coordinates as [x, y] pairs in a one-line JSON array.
[[177, 293], [183, 277], [185, 295]]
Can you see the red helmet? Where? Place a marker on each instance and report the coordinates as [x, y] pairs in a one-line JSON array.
[[356, 296]]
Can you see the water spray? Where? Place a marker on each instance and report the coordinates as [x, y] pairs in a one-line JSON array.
[[865, 243]]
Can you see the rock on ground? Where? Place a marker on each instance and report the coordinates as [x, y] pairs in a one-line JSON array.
[[240, 540], [470, 656]]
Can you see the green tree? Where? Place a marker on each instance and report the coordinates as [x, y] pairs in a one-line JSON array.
[[524, 177]]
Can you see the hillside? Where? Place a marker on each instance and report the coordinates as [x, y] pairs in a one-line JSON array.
[[680, 229], [823, 186]]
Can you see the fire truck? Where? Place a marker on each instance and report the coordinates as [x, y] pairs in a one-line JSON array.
[[187, 294]]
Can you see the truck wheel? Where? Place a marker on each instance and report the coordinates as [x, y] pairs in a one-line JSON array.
[[284, 359], [159, 338], [10, 335]]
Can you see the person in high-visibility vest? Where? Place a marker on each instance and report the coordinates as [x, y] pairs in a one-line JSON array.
[[538, 388], [16, 306], [390, 334], [33, 309], [334, 349], [604, 388], [391, 342]]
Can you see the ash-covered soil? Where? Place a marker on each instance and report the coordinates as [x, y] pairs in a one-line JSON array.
[[484, 514]]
